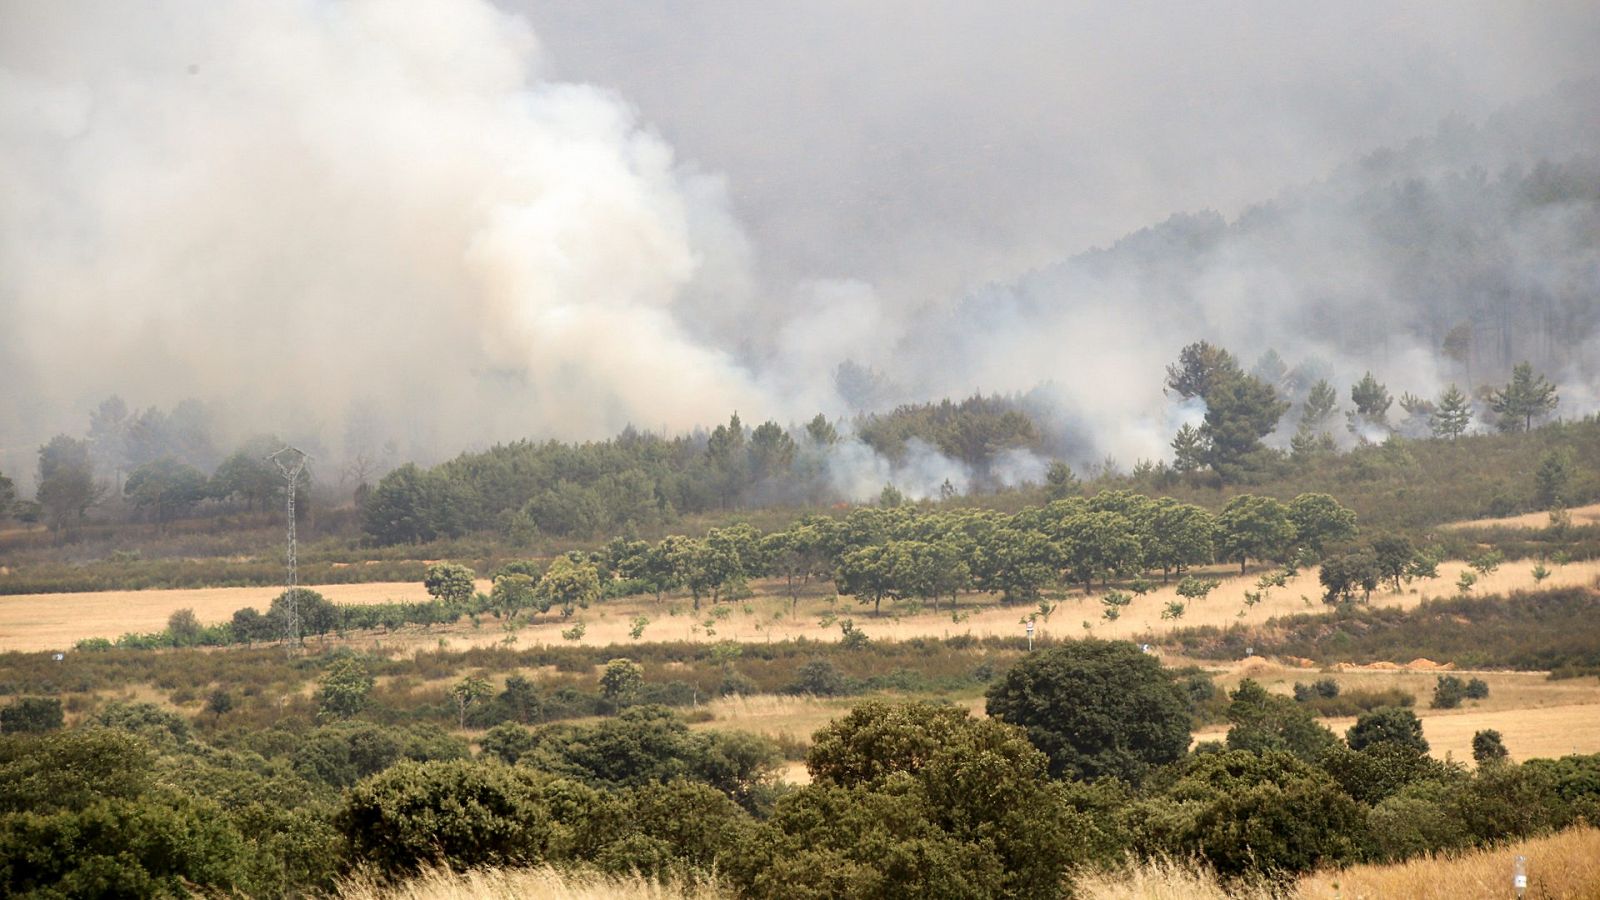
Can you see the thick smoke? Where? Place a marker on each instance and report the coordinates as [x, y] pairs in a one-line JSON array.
[[415, 221], [292, 207]]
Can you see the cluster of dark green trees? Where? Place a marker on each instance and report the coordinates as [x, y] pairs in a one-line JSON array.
[[1083, 760], [639, 480]]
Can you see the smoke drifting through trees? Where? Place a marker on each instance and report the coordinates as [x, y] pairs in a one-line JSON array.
[[381, 221]]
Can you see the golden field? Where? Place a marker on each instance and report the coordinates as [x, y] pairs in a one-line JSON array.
[[57, 621]]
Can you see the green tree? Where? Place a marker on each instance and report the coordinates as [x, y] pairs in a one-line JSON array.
[[1319, 520], [868, 574], [1318, 407], [66, 485], [343, 689], [1200, 367], [705, 567], [184, 627], [247, 473], [569, 585], [1097, 545], [467, 693], [1488, 748], [917, 800], [821, 431], [1240, 411], [165, 487], [1183, 536], [1451, 415], [1372, 402], [772, 451], [1525, 398], [795, 555], [449, 583], [1344, 574], [1391, 725], [1095, 708], [8, 495], [1253, 527], [1263, 722], [397, 510], [1448, 692], [1015, 563], [1059, 481], [1189, 450], [622, 681], [1394, 555], [512, 592], [1553, 479]]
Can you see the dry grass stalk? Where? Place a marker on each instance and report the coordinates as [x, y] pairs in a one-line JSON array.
[[544, 882], [1563, 865]]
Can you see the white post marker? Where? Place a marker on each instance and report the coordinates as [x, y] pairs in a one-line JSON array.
[[1030, 635], [1519, 875]]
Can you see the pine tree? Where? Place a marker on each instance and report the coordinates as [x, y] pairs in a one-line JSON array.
[[1372, 401], [1526, 396], [1452, 415]]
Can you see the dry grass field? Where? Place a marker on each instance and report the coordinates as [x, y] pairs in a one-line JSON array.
[[1563, 866], [1535, 716], [1581, 515], [57, 621]]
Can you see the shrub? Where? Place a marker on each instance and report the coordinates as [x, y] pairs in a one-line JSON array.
[[31, 715], [1476, 689], [1252, 813], [457, 813], [818, 677], [1095, 708], [1391, 725], [161, 727], [1488, 748], [1447, 692]]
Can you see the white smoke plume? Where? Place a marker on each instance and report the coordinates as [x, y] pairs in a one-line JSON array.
[[419, 221], [292, 206]]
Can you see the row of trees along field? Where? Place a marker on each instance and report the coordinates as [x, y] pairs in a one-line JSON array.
[[1083, 761], [902, 554]]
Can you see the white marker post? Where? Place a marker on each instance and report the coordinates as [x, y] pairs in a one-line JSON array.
[[1519, 875], [1030, 635]]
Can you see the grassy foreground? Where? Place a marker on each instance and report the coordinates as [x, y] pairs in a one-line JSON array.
[[1564, 865], [514, 884]]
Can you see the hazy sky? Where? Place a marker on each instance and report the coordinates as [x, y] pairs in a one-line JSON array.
[[470, 222], [924, 147]]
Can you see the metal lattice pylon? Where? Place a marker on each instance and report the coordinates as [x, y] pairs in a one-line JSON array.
[[291, 462]]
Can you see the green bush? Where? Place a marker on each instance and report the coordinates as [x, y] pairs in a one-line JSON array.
[[1245, 813], [1448, 692], [31, 715], [1095, 708], [1390, 725], [458, 813]]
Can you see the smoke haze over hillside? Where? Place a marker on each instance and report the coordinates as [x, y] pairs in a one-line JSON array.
[[447, 223]]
